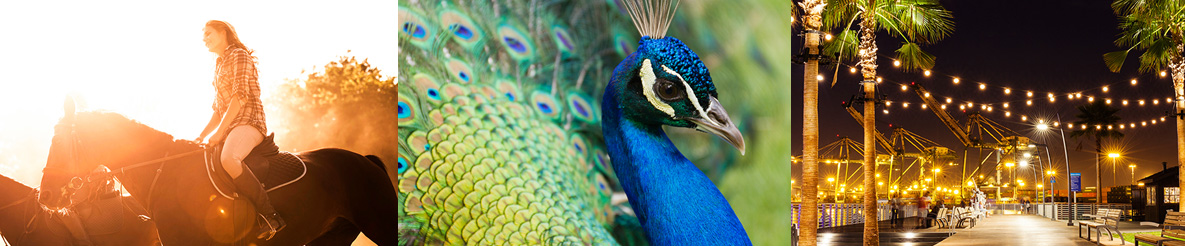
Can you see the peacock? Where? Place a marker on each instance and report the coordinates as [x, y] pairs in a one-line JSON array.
[[502, 140], [665, 83]]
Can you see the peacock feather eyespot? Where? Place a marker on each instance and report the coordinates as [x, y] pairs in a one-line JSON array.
[[461, 71], [517, 43], [407, 111], [416, 28], [464, 31], [402, 165], [563, 40]]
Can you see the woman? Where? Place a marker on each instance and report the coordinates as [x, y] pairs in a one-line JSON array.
[[238, 117]]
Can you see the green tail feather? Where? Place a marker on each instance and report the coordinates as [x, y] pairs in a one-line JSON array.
[[499, 129], [500, 140]]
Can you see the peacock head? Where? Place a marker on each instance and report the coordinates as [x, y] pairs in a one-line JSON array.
[[666, 83]]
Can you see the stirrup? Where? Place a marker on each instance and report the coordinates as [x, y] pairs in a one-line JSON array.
[[266, 229]]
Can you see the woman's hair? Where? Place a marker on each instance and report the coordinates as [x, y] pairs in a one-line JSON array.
[[232, 37]]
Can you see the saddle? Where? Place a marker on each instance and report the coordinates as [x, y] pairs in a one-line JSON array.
[[274, 168]]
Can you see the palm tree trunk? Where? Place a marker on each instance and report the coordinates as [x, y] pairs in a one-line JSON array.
[[868, 66], [1098, 172], [1177, 67], [810, 124]]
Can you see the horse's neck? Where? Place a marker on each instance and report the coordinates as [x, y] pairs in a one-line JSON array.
[[148, 186], [16, 206]]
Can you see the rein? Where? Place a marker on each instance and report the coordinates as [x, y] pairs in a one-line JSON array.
[[160, 160], [28, 226], [19, 201]]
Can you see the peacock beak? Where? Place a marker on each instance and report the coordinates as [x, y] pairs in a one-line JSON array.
[[717, 122]]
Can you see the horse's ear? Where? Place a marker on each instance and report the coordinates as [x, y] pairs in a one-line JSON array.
[[69, 108]]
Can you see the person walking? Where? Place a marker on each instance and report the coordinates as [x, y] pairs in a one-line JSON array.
[[923, 209], [895, 220]]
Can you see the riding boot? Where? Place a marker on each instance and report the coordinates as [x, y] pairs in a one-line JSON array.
[[249, 187]]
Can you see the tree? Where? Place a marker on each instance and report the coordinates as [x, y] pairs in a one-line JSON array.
[[349, 105], [1098, 118], [915, 22], [1158, 28], [812, 21]]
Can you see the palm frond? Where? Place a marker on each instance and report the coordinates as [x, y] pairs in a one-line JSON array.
[[1115, 60], [843, 46], [922, 21], [913, 58], [840, 14], [1156, 56]]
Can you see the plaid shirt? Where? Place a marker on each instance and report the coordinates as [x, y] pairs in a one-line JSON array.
[[235, 77]]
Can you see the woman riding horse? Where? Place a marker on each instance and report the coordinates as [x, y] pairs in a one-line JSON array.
[[238, 116]]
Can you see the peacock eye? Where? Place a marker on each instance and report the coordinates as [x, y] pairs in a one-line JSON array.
[[668, 90]]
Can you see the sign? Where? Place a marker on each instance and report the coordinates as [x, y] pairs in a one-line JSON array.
[[1076, 182]]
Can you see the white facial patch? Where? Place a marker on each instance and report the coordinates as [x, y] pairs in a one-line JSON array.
[[648, 80], [690, 93]]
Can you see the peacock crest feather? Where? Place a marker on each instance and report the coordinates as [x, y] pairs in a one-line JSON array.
[[500, 139]]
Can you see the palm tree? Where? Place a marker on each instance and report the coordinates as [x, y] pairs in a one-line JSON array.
[[810, 124], [1158, 28], [915, 22], [1098, 118]]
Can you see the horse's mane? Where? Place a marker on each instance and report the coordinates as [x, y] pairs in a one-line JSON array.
[[117, 121]]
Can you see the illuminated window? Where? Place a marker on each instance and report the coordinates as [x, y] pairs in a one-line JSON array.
[[1172, 194]]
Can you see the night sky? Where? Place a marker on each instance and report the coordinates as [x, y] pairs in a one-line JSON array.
[[1042, 46]]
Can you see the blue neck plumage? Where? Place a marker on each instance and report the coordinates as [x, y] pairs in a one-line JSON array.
[[676, 203]]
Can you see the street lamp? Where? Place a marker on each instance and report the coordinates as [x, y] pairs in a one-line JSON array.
[[1113, 155], [1066, 154], [1133, 167]]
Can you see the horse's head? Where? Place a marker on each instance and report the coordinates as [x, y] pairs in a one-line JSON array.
[[83, 141], [63, 168]]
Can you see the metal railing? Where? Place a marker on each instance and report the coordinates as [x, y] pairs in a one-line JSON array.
[[841, 214]]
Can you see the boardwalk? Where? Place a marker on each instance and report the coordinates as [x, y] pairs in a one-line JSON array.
[[1028, 230]]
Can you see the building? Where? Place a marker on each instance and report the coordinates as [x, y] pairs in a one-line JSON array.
[[1161, 193]]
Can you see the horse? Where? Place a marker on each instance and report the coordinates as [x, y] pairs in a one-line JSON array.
[[341, 195], [25, 222]]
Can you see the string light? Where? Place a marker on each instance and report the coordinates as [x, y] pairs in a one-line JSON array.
[[1108, 101], [853, 70], [1029, 93], [947, 100], [957, 79], [1133, 80], [1007, 114], [1141, 102], [1162, 74], [1090, 99], [927, 73], [1007, 91], [896, 63], [1105, 88], [828, 37], [1124, 102], [1005, 105], [1029, 103], [982, 86], [819, 77], [904, 88]]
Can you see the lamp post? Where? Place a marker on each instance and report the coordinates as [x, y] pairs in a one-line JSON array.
[[1133, 167], [1066, 153], [1114, 164]]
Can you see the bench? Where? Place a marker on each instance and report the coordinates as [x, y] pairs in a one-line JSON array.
[[1105, 219], [1174, 222], [962, 215]]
